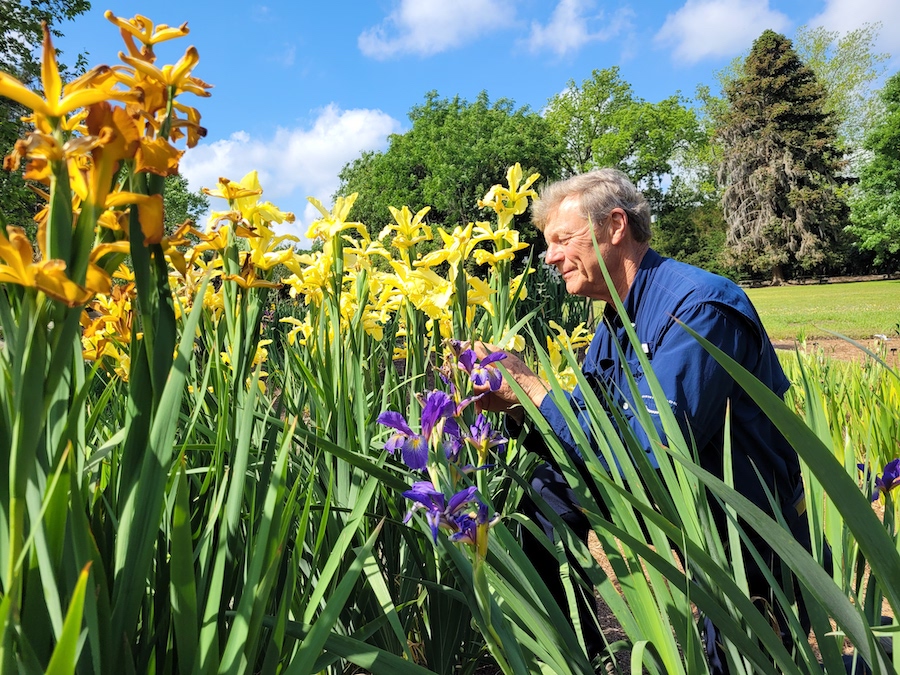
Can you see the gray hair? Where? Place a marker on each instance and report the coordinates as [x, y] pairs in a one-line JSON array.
[[598, 193]]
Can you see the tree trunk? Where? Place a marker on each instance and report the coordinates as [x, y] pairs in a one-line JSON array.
[[777, 275]]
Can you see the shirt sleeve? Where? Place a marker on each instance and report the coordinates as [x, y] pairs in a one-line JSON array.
[[695, 385]]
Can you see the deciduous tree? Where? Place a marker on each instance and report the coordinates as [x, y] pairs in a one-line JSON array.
[[782, 199], [875, 207], [582, 114], [452, 155], [689, 227], [848, 67], [181, 204], [603, 124]]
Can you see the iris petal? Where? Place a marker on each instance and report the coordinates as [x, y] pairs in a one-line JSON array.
[[437, 405], [395, 420], [467, 359], [460, 499], [495, 379], [493, 357], [479, 376], [395, 443], [415, 453]]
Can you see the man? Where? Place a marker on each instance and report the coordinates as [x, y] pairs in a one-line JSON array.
[[657, 293]]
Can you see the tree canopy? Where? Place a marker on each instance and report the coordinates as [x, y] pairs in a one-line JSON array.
[[876, 202], [181, 204], [603, 124], [848, 67], [780, 161], [451, 156]]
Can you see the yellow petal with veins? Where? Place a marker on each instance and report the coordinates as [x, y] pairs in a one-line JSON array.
[[50, 277], [49, 70], [150, 213], [97, 280], [157, 156], [101, 250]]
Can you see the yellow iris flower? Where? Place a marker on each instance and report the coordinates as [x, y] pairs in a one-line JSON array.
[[190, 125], [213, 239], [228, 189], [299, 327], [109, 317], [511, 201], [580, 338], [124, 273], [409, 229], [177, 77], [518, 284], [157, 156], [143, 29], [426, 290], [57, 101], [248, 278], [311, 276], [334, 221], [480, 293], [361, 252], [48, 276], [150, 213], [493, 257], [457, 247]]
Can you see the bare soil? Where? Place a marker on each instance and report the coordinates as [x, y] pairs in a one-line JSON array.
[[836, 348]]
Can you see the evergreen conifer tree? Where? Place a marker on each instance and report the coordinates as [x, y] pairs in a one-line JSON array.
[[782, 197]]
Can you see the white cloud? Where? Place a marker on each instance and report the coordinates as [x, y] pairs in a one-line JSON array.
[[716, 28], [427, 27], [294, 163], [262, 13], [568, 29], [285, 57], [845, 15]]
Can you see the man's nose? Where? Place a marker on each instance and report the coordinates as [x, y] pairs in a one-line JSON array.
[[553, 254]]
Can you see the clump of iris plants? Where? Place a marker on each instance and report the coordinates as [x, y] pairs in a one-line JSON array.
[[449, 433]]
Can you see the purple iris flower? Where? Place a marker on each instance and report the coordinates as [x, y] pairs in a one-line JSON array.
[[413, 446], [483, 436], [438, 512], [473, 522], [479, 373], [888, 480], [453, 440], [457, 346], [437, 406]]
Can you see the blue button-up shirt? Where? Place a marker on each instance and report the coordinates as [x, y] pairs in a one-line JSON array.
[[696, 386]]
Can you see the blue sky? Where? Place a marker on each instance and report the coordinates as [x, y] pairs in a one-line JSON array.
[[302, 87]]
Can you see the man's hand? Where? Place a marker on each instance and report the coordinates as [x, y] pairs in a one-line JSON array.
[[504, 399]]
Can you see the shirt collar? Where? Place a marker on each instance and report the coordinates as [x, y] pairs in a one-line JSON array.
[[642, 279]]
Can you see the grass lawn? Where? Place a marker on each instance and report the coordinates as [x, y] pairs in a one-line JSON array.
[[858, 310]]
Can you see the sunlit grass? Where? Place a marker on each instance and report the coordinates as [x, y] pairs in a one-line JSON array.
[[858, 310]]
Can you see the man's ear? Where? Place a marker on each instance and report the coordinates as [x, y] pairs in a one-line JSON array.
[[618, 226]]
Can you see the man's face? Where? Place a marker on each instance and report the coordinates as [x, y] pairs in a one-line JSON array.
[[571, 250]]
